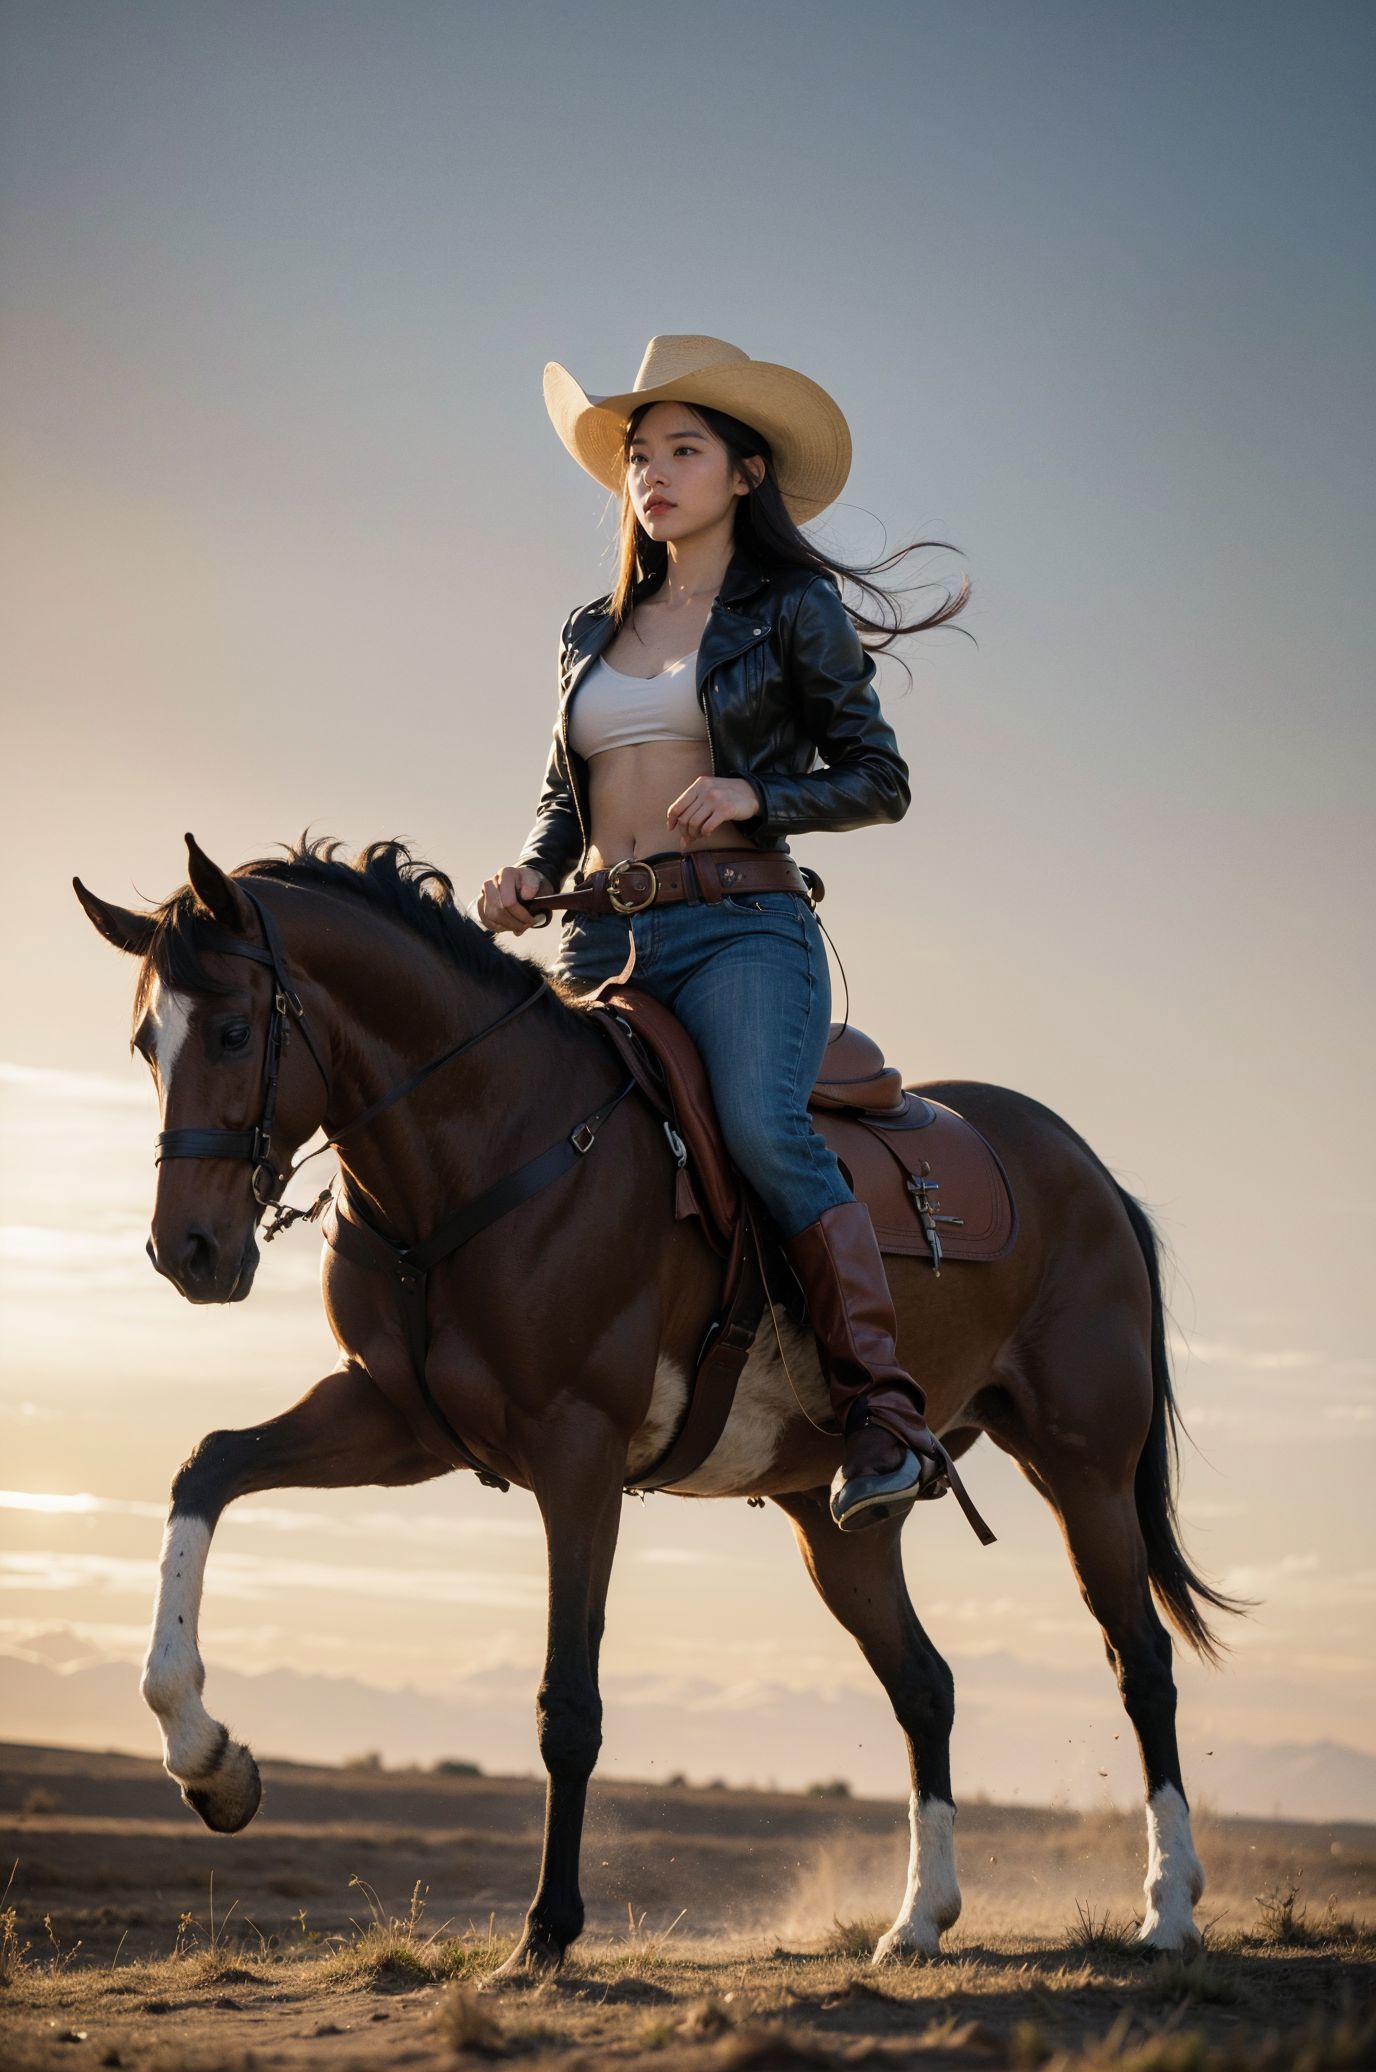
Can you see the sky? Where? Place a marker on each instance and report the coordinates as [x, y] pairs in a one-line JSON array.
[[288, 540]]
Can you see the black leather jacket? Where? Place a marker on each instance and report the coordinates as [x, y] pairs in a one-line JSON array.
[[783, 680]]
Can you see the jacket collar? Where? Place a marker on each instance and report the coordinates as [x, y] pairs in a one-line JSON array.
[[733, 624], [745, 574]]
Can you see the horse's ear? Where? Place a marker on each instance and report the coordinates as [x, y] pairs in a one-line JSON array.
[[217, 892], [119, 925]]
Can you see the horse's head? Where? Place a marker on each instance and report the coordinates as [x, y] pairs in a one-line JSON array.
[[210, 1016]]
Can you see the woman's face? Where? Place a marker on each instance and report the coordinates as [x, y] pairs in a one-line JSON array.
[[679, 475]]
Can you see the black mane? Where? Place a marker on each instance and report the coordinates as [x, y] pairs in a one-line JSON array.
[[385, 875]]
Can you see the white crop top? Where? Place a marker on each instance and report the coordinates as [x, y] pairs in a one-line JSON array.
[[611, 710]]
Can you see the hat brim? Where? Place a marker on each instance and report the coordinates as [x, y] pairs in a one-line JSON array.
[[808, 436]]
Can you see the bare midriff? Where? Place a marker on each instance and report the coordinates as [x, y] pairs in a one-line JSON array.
[[630, 791]]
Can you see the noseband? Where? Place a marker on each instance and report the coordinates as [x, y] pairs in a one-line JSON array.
[[269, 1180]]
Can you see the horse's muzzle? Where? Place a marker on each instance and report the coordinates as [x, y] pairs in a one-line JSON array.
[[202, 1271]]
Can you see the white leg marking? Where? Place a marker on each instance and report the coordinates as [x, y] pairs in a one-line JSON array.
[[174, 1674], [197, 1752], [932, 1900], [1175, 1876]]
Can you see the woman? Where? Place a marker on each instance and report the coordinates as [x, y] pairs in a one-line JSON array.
[[694, 700]]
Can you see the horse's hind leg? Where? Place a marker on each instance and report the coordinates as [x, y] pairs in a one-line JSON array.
[[1078, 1431], [340, 1435], [860, 1579], [1104, 1539]]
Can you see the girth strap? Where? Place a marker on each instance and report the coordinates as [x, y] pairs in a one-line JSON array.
[[726, 1348]]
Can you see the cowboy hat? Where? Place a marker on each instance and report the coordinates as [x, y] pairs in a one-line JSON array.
[[808, 436]]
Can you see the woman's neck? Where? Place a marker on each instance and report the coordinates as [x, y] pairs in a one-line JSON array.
[[697, 569]]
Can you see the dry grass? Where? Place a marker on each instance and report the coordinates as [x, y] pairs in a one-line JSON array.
[[707, 2007], [725, 1932]]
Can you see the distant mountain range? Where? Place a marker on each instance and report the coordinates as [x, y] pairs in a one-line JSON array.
[[56, 1691]]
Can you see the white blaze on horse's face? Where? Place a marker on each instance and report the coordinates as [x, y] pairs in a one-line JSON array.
[[203, 1209], [170, 1016]]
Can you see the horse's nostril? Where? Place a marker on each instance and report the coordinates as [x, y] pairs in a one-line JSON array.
[[199, 1255]]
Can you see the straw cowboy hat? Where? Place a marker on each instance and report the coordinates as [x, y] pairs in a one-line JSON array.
[[808, 436]]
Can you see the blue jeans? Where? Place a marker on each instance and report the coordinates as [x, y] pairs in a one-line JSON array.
[[748, 978]]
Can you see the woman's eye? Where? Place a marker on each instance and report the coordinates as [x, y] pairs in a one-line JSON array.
[[237, 1036]]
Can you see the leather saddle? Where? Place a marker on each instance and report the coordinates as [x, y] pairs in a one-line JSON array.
[[934, 1185], [895, 1147]]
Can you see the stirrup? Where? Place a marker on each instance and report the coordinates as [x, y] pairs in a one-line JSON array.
[[888, 1496], [858, 1501]]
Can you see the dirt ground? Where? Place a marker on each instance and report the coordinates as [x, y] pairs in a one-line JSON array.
[[355, 1923]]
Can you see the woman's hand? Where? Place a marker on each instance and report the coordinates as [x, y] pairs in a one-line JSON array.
[[709, 803], [499, 903]]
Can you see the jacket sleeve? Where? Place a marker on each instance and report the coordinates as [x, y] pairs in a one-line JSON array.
[[832, 675], [555, 842]]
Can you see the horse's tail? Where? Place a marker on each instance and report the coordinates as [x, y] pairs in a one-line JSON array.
[[1179, 1590]]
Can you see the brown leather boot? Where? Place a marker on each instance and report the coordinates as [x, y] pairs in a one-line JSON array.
[[891, 1456]]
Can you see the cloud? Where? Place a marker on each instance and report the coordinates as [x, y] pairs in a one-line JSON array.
[[252, 1578], [46, 1260], [1300, 1580], [88, 1089], [1221, 1352], [386, 1525]]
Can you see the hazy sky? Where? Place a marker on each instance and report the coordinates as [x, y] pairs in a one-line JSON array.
[[288, 539]]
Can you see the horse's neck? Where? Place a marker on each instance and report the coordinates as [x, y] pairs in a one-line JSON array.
[[397, 1004]]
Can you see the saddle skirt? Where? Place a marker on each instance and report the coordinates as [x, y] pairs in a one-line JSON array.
[[933, 1184]]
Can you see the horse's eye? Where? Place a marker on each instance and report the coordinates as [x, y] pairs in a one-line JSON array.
[[237, 1036]]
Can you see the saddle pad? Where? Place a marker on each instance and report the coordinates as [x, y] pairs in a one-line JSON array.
[[964, 1179]]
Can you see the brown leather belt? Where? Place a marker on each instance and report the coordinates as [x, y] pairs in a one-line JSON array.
[[638, 882]]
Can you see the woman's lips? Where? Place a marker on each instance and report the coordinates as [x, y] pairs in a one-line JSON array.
[[660, 503]]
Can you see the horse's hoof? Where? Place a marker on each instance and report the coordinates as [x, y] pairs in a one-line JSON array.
[[905, 1946], [229, 1796], [536, 1955], [1157, 1938]]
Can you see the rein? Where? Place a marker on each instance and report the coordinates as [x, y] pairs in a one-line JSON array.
[[408, 1266], [269, 1181]]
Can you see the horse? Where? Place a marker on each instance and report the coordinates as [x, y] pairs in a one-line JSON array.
[[558, 1341]]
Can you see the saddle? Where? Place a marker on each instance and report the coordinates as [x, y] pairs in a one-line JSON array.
[[933, 1184]]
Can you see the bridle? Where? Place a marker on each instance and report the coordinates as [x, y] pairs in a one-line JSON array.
[[407, 1265], [255, 1144]]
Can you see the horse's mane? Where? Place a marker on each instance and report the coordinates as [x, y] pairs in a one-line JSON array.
[[384, 875]]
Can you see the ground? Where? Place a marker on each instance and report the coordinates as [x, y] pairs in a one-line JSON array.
[[356, 1922]]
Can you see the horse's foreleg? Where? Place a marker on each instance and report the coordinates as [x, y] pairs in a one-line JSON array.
[[340, 1435], [579, 1490], [860, 1579]]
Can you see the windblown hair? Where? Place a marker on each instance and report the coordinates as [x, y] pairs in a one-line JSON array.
[[384, 876], [762, 522]]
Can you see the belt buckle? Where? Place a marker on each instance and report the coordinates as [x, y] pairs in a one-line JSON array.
[[630, 863]]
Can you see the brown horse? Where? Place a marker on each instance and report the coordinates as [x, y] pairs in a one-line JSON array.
[[559, 1337]]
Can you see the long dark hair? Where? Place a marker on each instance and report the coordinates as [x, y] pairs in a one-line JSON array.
[[762, 523]]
